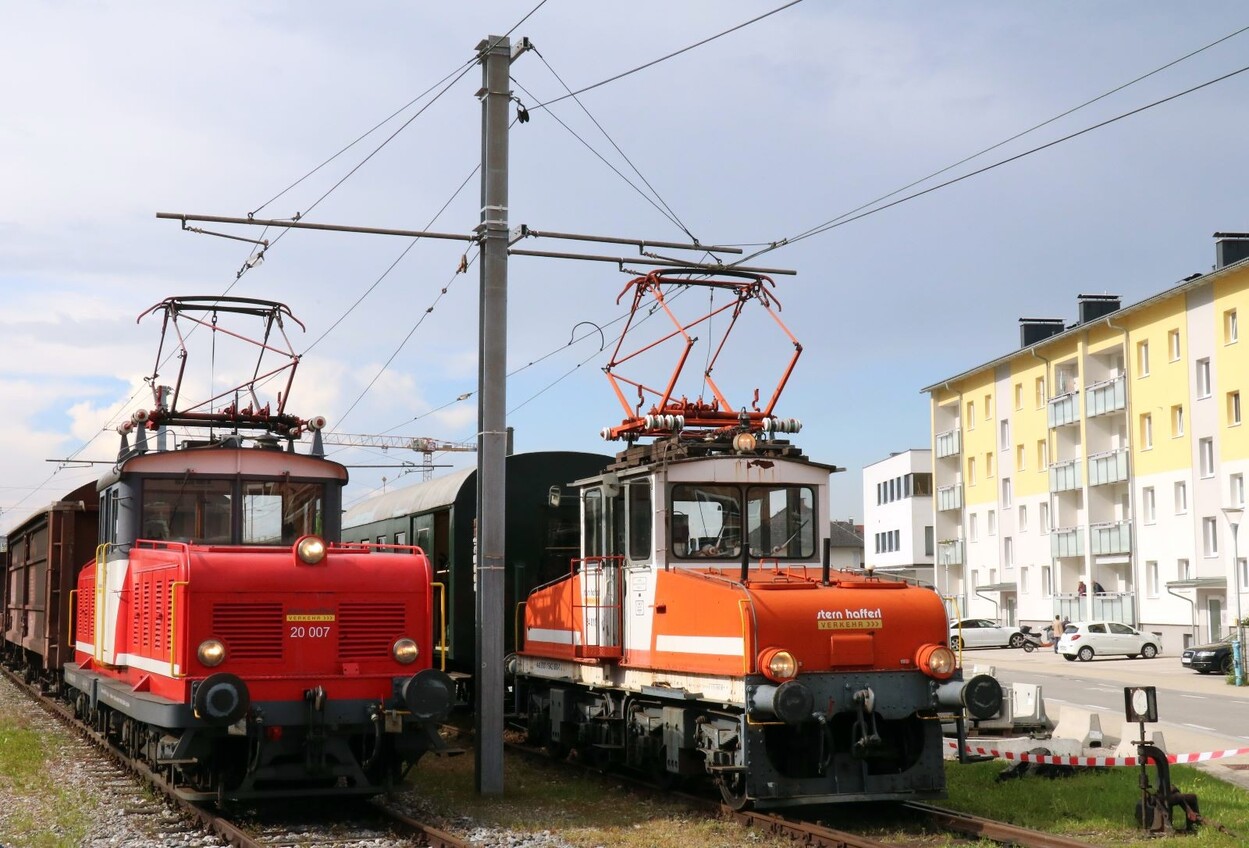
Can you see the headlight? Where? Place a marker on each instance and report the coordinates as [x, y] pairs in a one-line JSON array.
[[744, 442], [211, 652], [935, 661], [406, 651], [778, 665], [310, 550]]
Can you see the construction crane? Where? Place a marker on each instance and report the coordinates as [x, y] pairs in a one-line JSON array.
[[427, 447]]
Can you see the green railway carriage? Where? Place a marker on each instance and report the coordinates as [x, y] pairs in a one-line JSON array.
[[440, 515]]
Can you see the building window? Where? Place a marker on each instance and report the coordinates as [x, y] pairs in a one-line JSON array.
[[971, 471], [1206, 451], [1210, 536], [1019, 457], [1233, 409], [1023, 580], [1237, 489], [1019, 396], [988, 407], [1148, 505], [1147, 431], [923, 483], [972, 532], [1231, 333], [1181, 498], [1045, 518], [1008, 551], [1004, 434], [991, 523], [929, 541], [1042, 454], [988, 465], [1006, 493], [1173, 345], [1243, 564], [1040, 392], [1142, 359], [1152, 584], [1047, 582], [1023, 518], [1203, 378], [1177, 421], [971, 415], [1182, 570]]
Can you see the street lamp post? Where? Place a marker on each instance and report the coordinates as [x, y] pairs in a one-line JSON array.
[[1233, 515]]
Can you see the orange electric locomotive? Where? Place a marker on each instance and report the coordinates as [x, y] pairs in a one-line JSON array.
[[221, 632], [702, 631]]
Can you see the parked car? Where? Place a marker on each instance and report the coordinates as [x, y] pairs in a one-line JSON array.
[[1083, 640], [1216, 656], [983, 633]]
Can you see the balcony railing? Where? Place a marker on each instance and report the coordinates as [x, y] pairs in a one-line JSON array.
[[1108, 467], [949, 443], [1106, 396], [1110, 606], [1067, 542], [950, 552], [1064, 409], [1065, 476], [1111, 537], [949, 497]]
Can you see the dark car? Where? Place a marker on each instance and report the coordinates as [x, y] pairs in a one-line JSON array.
[[1217, 656]]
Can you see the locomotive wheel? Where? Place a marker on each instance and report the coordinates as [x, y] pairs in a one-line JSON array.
[[733, 789]]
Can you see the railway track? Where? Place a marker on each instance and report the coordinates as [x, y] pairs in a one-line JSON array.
[[171, 820]]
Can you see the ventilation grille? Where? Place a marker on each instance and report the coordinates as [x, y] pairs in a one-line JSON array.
[[250, 631], [368, 631]]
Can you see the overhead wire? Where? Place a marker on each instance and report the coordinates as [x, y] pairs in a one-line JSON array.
[[672, 55]]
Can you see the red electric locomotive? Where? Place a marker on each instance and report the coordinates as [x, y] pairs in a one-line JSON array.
[[700, 633], [222, 632]]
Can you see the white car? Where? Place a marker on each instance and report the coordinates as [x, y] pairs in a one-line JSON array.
[[983, 633], [1083, 640]]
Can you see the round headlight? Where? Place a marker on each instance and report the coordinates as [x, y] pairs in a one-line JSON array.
[[778, 665], [744, 442], [936, 661], [406, 651], [211, 652], [310, 550]]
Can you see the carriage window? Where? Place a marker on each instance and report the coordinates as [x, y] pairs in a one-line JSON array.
[[781, 521], [640, 520], [706, 521], [185, 510], [279, 512]]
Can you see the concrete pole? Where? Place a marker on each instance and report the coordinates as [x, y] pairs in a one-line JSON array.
[[495, 55]]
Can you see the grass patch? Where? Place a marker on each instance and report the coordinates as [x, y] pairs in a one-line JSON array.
[[1097, 806], [37, 812]]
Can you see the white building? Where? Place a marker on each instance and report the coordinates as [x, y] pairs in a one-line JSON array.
[[897, 515]]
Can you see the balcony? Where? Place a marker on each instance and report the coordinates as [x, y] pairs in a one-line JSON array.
[[1108, 467], [1111, 537], [1105, 397], [950, 552], [1065, 476], [1067, 542], [1064, 409], [949, 443], [949, 497]]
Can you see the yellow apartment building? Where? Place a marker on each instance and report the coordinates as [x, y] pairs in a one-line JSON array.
[[1087, 473]]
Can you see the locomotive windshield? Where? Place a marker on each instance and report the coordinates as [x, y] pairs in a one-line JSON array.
[[229, 511], [707, 521]]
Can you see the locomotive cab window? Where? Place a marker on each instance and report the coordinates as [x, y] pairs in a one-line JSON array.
[[279, 512], [184, 510], [269, 512], [706, 520], [709, 520], [781, 521]]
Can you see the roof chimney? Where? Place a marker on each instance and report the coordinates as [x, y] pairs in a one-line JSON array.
[[1033, 330], [1230, 248], [1094, 306]]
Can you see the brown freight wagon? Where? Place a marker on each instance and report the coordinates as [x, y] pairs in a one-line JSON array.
[[45, 554]]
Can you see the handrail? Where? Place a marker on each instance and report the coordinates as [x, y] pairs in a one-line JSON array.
[[442, 609], [70, 642], [747, 653], [173, 626], [517, 621], [97, 624]]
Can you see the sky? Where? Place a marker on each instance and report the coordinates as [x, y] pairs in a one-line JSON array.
[[114, 111]]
